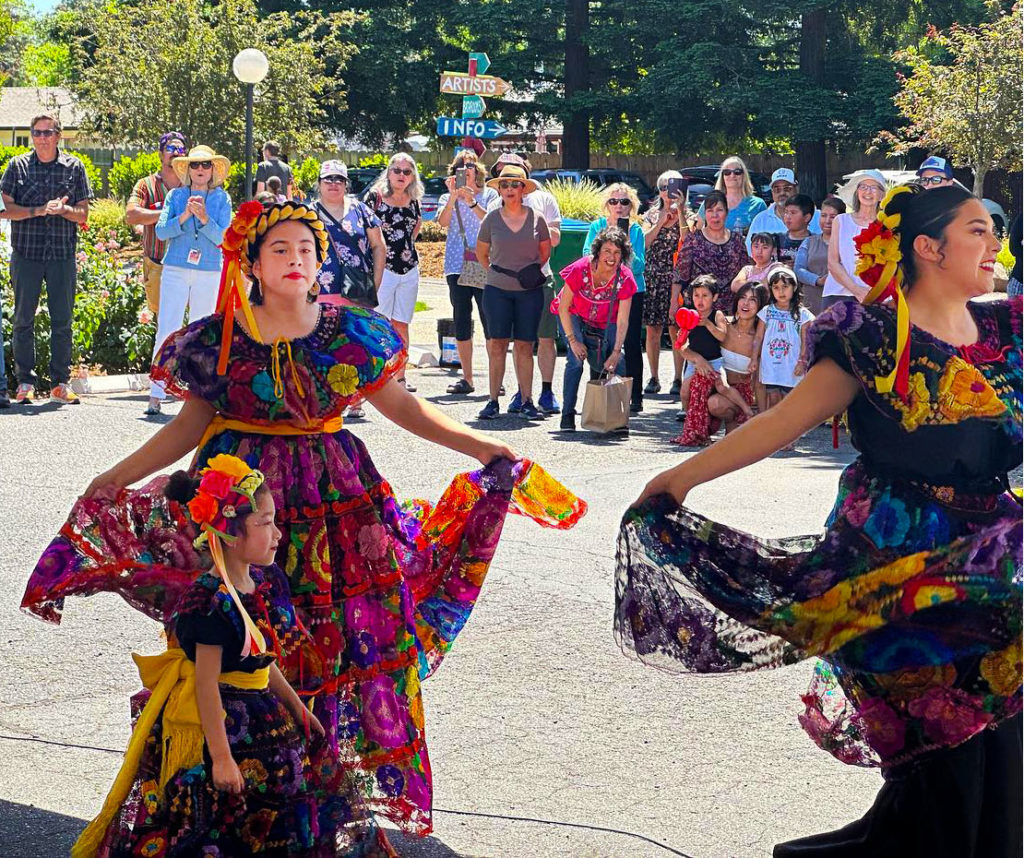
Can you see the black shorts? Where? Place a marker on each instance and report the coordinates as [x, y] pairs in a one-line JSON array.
[[513, 315]]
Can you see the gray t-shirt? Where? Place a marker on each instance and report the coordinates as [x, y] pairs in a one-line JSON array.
[[512, 250], [275, 167]]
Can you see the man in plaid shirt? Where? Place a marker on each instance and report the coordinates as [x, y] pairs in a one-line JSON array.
[[46, 193]]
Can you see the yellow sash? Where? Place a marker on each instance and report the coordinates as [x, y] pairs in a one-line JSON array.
[[171, 678], [223, 424]]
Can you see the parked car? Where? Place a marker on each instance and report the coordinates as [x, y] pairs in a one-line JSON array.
[[602, 177], [360, 179], [702, 182], [432, 190], [905, 177]]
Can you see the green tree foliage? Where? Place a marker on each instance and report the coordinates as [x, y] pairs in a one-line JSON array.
[[963, 96], [128, 169], [45, 64], [148, 66]]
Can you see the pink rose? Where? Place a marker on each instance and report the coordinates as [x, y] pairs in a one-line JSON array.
[[217, 484]]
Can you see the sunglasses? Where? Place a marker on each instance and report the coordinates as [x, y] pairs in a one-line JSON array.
[[928, 180], [44, 132], [175, 150], [733, 171], [620, 201], [506, 184], [201, 165], [401, 171], [335, 180]]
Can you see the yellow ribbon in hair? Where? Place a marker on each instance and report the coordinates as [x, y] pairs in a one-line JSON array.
[[253, 638], [881, 291], [233, 284], [171, 678]]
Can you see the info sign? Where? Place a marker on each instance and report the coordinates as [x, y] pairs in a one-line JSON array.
[[472, 85]]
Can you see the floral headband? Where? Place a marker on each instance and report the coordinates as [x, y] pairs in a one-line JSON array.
[[227, 490], [251, 221], [878, 265]]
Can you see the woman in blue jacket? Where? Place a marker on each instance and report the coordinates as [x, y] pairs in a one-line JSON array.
[[620, 202], [192, 223]]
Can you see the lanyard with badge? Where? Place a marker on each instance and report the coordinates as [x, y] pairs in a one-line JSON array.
[[195, 254]]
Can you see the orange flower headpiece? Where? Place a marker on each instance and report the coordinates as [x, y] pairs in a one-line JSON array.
[[878, 265], [227, 490], [252, 221]]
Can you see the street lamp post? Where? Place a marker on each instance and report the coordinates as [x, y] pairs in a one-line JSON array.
[[250, 67]]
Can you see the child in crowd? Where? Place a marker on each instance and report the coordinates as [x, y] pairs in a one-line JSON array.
[[779, 345], [703, 354], [274, 188], [764, 250], [796, 215], [219, 762]]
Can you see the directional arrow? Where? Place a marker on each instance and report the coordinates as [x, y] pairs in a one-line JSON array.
[[460, 83], [482, 63], [473, 106], [485, 129]]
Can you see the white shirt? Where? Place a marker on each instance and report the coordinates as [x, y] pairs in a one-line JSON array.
[[544, 204], [844, 229], [780, 349], [768, 221]]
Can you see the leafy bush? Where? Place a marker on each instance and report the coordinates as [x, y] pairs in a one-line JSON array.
[[377, 160], [307, 175], [107, 225], [111, 328], [580, 200], [1005, 257], [95, 180], [431, 230], [127, 170]]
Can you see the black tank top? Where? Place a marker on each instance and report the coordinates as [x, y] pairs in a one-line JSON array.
[[702, 341]]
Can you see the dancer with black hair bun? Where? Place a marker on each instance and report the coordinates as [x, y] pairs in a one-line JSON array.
[[383, 588], [912, 597]]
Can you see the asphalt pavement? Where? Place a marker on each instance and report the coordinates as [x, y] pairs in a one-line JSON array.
[[544, 739]]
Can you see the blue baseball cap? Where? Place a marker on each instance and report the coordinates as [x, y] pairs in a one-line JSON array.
[[939, 165]]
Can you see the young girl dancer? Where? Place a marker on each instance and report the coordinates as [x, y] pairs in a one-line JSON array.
[[383, 589], [218, 763], [911, 597], [778, 356]]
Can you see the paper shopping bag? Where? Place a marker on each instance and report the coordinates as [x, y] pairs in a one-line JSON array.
[[606, 404]]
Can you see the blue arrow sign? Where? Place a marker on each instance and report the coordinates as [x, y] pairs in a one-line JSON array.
[[485, 129], [482, 62], [473, 107]]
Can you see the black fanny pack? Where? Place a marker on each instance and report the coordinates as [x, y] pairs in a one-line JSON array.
[[530, 277]]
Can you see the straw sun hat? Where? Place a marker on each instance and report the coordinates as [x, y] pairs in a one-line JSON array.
[[511, 171], [221, 165]]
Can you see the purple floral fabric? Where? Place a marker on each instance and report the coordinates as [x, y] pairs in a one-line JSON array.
[[911, 598]]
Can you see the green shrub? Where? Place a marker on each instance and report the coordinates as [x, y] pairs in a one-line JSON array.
[[111, 328], [307, 175], [377, 160], [107, 226], [1005, 257], [580, 200], [431, 230], [127, 170], [95, 180]]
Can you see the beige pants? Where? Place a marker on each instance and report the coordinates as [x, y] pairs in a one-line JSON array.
[[151, 272]]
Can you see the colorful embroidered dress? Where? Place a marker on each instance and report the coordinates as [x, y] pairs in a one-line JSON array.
[[383, 589], [911, 599], [296, 801]]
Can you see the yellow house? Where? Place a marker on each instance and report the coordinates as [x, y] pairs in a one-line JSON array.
[[18, 104]]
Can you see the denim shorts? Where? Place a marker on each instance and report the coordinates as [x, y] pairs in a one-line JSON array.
[[690, 369], [777, 388], [513, 315]]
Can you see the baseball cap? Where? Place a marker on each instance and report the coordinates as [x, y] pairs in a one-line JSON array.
[[784, 174], [940, 165], [333, 168]]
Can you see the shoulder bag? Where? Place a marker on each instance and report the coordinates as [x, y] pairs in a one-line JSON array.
[[473, 273], [353, 284]]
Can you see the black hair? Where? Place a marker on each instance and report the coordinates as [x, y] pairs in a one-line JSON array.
[[754, 288], [924, 213], [769, 238], [798, 294], [182, 487], [255, 291], [801, 201], [835, 203], [273, 147], [715, 198], [613, 235], [703, 281]]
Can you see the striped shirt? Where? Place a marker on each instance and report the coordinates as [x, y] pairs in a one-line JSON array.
[[149, 193]]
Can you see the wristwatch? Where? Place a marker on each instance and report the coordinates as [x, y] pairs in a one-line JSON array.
[[475, 205]]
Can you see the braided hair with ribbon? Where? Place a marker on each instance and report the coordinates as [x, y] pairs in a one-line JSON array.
[[240, 246]]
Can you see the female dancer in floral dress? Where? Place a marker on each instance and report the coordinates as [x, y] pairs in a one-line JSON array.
[[912, 598], [383, 590]]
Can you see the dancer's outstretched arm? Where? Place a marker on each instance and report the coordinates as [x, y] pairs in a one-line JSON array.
[[168, 445], [421, 418], [827, 390]]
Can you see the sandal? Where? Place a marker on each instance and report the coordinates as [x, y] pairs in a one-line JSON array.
[[153, 408], [461, 387]]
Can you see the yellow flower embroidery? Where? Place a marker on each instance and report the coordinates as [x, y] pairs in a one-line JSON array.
[[1002, 669], [964, 392], [918, 406], [343, 378]]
